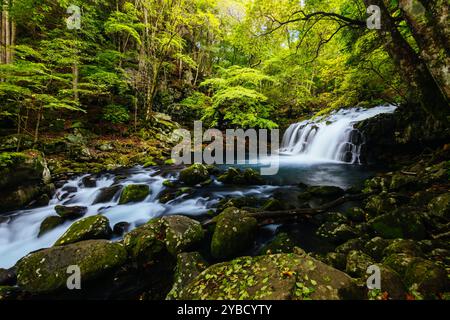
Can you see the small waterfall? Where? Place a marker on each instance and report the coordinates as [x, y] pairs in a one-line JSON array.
[[330, 138]]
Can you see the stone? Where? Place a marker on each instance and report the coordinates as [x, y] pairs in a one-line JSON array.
[[70, 213], [235, 176], [7, 277], [281, 243], [272, 277], [409, 247], [49, 224], [399, 262], [88, 182], [120, 228], [182, 233], [194, 174], [427, 278], [357, 263], [107, 194], [189, 266], [375, 247], [440, 206], [336, 232], [234, 233], [352, 244], [93, 227], [134, 193], [45, 271], [399, 224]]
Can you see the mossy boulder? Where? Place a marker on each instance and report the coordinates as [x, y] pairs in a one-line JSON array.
[[49, 224], [272, 277], [19, 197], [189, 266], [70, 213], [357, 263], [399, 262], [234, 233], [241, 202], [399, 224], [440, 206], [235, 176], [406, 246], [195, 174], [182, 233], [356, 214], [377, 184], [281, 243], [107, 194], [352, 244], [46, 270], [375, 247], [380, 204], [8, 293], [404, 182], [336, 232], [392, 283], [93, 227], [336, 260], [134, 193], [427, 278]]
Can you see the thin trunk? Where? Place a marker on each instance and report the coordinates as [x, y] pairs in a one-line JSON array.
[[38, 123], [75, 72]]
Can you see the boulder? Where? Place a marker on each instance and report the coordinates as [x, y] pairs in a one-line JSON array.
[[350, 245], [7, 277], [88, 182], [427, 278], [234, 233], [399, 262], [440, 206], [107, 194], [19, 197], [236, 176], [46, 270], [336, 232], [409, 247], [195, 174], [392, 284], [182, 233], [134, 193], [357, 263], [70, 213], [49, 224], [375, 247], [336, 260], [120, 228], [93, 227], [380, 204], [399, 224], [8, 293], [189, 266], [271, 277], [281, 243]]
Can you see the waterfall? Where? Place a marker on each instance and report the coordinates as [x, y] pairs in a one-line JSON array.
[[330, 138]]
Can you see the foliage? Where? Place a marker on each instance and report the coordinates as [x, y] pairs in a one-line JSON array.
[[116, 114]]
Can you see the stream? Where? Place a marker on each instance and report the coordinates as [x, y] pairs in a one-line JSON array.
[[323, 151]]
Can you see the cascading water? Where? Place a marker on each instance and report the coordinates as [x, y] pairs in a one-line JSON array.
[[330, 138]]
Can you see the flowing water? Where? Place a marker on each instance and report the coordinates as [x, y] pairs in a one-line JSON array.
[[313, 152]]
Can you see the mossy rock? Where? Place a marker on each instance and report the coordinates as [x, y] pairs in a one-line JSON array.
[[357, 263], [392, 284], [189, 266], [427, 278], [235, 176], [134, 193], [375, 247], [377, 184], [336, 232], [440, 206], [404, 182], [93, 227], [49, 224], [241, 202], [380, 204], [352, 244], [399, 224], [406, 246], [272, 277], [234, 233], [399, 262], [195, 174], [70, 213], [356, 214], [8, 293], [336, 260], [19, 197], [45, 271], [281, 243], [182, 233]]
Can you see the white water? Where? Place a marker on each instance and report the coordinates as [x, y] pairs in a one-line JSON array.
[[19, 233], [330, 138]]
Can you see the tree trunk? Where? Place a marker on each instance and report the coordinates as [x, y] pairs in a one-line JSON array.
[[423, 88], [431, 37]]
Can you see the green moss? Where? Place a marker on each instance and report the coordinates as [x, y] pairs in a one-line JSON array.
[[134, 193], [49, 224], [93, 227], [195, 174]]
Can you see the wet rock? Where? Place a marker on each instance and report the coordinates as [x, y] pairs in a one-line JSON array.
[[235, 176], [7, 277], [399, 262], [234, 233], [134, 193], [357, 263], [375, 247], [93, 227], [49, 224], [399, 224], [46, 270], [336, 232], [121, 228], [19, 198], [409, 247], [272, 277], [325, 191], [195, 174], [69, 189], [70, 213], [189, 266], [427, 278], [241, 202], [88, 182], [107, 194]]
